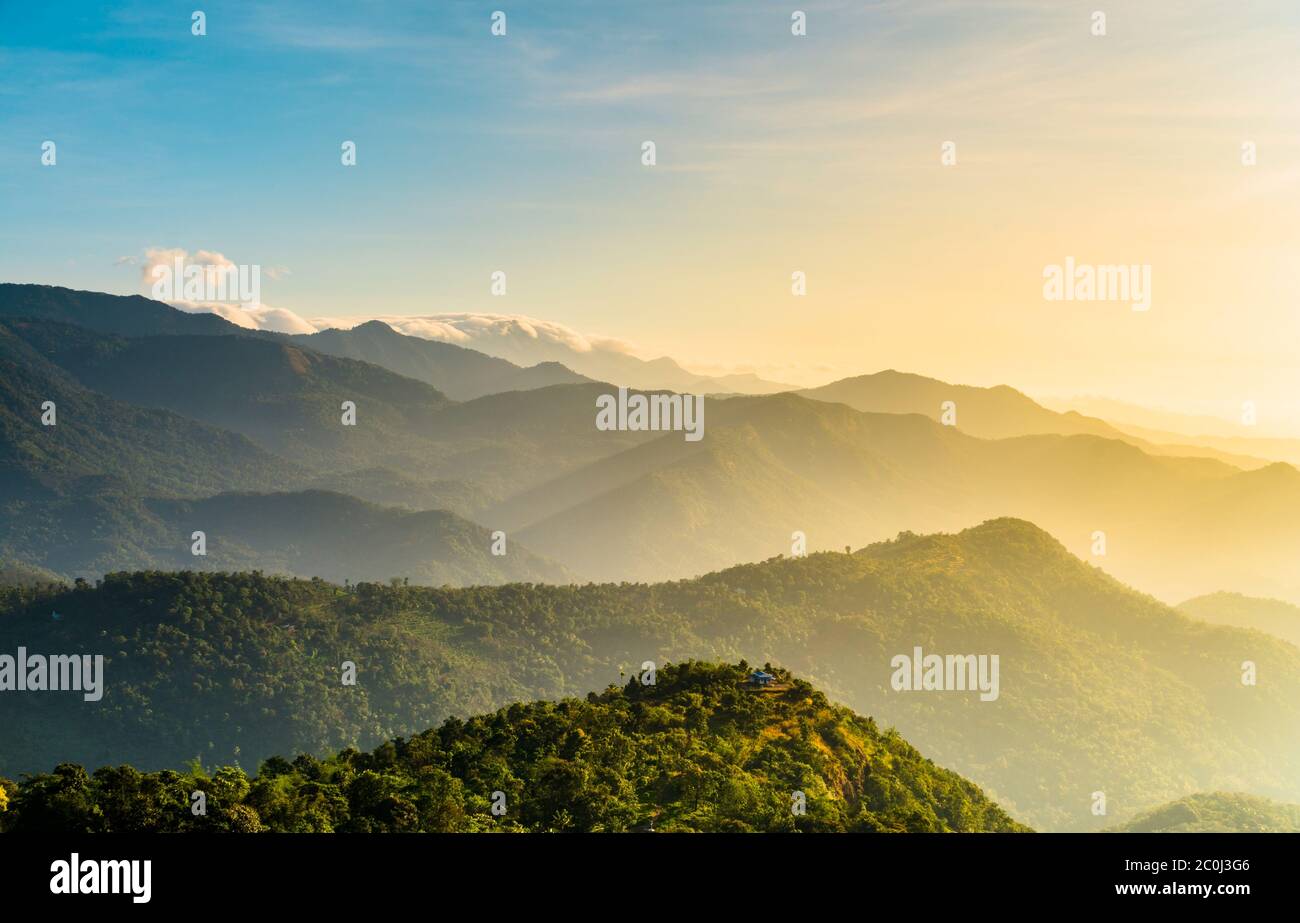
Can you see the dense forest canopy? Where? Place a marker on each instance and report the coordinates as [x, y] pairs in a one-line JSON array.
[[1102, 688], [691, 747]]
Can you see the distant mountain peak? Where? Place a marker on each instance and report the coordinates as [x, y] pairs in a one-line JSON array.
[[374, 326]]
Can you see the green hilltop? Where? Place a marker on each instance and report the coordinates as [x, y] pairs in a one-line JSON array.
[[696, 751]]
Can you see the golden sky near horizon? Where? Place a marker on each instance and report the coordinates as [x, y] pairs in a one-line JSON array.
[[776, 153]]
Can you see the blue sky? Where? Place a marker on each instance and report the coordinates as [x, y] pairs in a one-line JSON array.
[[819, 153], [474, 151]]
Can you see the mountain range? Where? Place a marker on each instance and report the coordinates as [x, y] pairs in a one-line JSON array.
[[340, 457], [528, 341], [1101, 688], [773, 466], [1003, 412], [461, 374], [204, 407]]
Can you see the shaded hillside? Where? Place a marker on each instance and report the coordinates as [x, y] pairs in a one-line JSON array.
[[1101, 688], [287, 399], [772, 466], [127, 315], [18, 574], [1270, 615], [692, 752], [389, 487], [506, 443], [307, 534], [518, 341], [462, 374], [152, 449], [990, 413], [1217, 812], [1003, 412]]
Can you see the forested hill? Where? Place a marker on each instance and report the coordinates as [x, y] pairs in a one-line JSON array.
[[1270, 615], [1217, 812], [690, 748], [1101, 688]]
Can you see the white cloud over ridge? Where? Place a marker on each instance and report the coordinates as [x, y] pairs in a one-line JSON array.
[[492, 333], [519, 338], [249, 316], [499, 334], [261, 317]]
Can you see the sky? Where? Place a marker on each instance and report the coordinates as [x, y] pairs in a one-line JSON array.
[[775, 154]]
